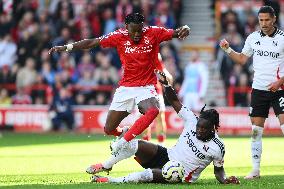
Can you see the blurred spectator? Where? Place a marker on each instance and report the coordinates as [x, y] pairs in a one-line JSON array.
[[64, 5], [45, 57], [242, 99], [194, 86], [247, 9], [93, 17], [105, 73], [5, 100], [61, 111], [47, 73], [5, 24], [38, 92], [85, 64], [7, 75], [109, 21], [86, 84], [163, 16], [26, 76], [234, 38], [101, 99], [39, 100], [80, 99], [64, 15], [8, 51], [21, 97], [66, 67], [251, 24], [123, 8], [64, 37], [26, 47], [231, 16], [176, 6], [171, 62]]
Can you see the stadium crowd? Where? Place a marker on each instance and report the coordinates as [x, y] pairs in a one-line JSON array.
[[29, 75]]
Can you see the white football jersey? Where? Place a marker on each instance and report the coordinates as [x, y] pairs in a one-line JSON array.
[[195, 155], [268, 57]]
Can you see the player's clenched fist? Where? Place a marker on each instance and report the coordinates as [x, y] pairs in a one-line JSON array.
[[232, 180], [224, 44]]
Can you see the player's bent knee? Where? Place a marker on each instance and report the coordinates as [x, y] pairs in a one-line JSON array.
[[108, 130]]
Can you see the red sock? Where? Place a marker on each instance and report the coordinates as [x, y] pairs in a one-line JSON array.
[[146, 137], [115, 132], [141, 124], [161, 138]]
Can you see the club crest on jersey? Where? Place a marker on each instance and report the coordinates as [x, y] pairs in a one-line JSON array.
[[206, 148], [275, 43], [146, 40], [127, 43]]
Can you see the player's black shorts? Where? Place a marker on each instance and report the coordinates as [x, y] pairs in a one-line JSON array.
[[159, 160], [261, 101]]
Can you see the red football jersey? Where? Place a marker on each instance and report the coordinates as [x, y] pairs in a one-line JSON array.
[[138, 59]]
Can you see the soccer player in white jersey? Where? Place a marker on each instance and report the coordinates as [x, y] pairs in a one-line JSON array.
[[197, 146], [267, 48]]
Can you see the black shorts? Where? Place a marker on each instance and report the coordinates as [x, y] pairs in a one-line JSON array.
[[261, 101], [159, 160]]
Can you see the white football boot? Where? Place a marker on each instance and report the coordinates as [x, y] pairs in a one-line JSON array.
[[255, 174]]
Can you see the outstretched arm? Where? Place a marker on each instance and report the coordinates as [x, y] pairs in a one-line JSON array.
[[83, 44], [169, 91], [221, 176], [181, 32]]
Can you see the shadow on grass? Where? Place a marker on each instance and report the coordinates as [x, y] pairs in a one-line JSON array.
[[8, 139], [271, 182]]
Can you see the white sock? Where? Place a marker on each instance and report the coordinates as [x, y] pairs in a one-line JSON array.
[[256, 146], [127, 151], [144, 176], [282, 128]]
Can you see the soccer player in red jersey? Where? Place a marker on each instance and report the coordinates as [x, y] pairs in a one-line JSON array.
[[137, 47]]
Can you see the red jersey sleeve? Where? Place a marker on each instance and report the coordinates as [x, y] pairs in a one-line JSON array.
[[162, 34], [109, 40], [159, 65]]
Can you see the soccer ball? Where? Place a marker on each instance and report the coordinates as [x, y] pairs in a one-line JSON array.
[[173, 171]]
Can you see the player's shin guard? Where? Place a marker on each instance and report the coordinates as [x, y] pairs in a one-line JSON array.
[[127, 151], [282, 128], [161, 138], [146, 137], [256, 146], [143, 176], [141, 124]]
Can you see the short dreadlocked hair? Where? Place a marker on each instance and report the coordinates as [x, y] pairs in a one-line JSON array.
[[212, 116], [135, 18]]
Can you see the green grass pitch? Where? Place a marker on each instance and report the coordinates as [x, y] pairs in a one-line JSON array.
[[59, 161]]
